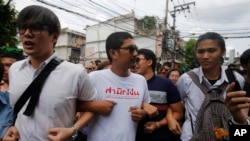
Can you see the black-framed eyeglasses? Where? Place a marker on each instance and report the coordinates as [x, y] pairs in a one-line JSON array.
[[131, 48], [139, 59], [34, 29]]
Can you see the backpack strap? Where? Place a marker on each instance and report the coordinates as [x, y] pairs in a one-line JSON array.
[[34, 89]]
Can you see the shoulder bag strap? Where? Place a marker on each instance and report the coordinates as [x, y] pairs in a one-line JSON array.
[[35, 88]]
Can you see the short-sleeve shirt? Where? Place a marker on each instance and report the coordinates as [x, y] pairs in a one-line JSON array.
[[57, 102], [193, 97], [162, 92], [126, 92]]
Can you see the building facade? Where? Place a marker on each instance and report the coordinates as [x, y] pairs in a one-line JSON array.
[[70, 45], [96, 36]]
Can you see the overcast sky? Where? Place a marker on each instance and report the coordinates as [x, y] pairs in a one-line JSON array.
[[231, 18]]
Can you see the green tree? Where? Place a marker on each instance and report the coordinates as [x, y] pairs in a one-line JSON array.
[[149, 22], [7, 29], [190, 60]]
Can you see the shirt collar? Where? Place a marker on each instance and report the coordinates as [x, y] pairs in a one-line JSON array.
[[220, 81], [44, 63]]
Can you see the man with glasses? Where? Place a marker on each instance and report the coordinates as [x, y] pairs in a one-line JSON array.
[[66, 86], [126, 89], [163, 95]]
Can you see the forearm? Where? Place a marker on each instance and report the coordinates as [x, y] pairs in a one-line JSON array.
[[84, 120], [163, 122], [90, 106], [177, 113], [150, 110]]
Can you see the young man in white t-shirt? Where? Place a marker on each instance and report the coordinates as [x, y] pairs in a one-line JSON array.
[[126, 89]]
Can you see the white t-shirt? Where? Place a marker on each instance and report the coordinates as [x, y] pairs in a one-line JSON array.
[[194, 97], [126, 92], [57, 102]]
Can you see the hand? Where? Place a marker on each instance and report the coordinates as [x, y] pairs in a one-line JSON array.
[[150, 126], [150, 110], [11, 134], [59, 134], [174, 126], [104, 107], [137, 113], [238, 104], [78, 115]]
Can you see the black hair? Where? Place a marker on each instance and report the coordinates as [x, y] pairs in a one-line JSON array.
[[149, 55], [97, 62], [11, 52], [39, 15], [167, 64], [115, 41], [173, 69], [245, 57], [212, 36]]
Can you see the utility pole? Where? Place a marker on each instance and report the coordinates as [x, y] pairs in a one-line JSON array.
[[166, 16], [165, 34], [178, 8]]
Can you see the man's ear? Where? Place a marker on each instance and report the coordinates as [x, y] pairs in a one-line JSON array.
[[55, 37], [113, 54], [150, 62], [244, 67]]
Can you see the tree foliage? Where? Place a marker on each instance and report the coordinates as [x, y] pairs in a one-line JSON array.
[[7, 29], [190, 60], [149, 22]]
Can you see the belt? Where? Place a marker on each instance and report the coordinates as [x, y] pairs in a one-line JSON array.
[[161, 107]]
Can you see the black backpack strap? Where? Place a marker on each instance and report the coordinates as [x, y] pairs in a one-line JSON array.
[[35, 88]]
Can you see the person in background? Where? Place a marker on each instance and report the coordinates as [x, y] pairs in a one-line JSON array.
[[66, 86], [126, 89], [210, 49], [162, 72], [163, 95], [8, 55], [174, 75], [238, 102], [6, 111], [167, 66]]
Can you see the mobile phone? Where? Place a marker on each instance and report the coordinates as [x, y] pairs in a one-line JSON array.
[[231, 79]]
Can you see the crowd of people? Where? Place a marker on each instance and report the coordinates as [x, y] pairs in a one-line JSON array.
[[129, 97]]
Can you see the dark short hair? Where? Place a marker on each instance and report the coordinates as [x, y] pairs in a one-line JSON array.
[[97, 62], [212, 36], [173, 69], [149, 55], [11, 52], [245, 57], [167, 64], [39, 15], [115, 41]]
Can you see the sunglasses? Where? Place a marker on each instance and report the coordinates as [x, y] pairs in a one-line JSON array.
[[131, 48]]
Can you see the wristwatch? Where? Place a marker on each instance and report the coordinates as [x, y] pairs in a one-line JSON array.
[[75, 133]]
